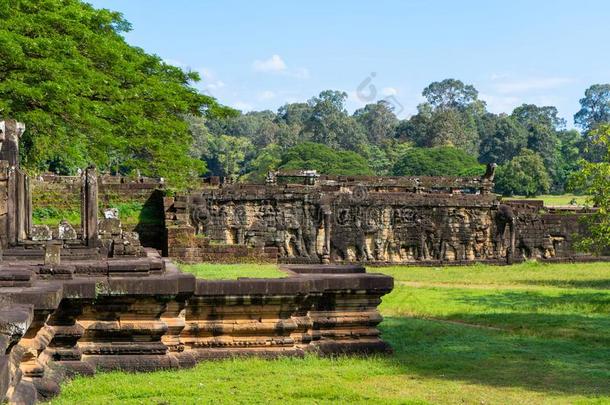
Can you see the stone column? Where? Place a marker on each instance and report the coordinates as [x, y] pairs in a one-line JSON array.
[[11, 205], [89, 207], [10, 133], [327, 231], [21, 208]]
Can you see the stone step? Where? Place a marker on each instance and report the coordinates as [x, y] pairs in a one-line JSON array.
[[16, 277]]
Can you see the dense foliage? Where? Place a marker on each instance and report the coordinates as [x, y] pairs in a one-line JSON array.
[[438, 161], [523, 175], [452, 133], [325, 160], [594, 179], [89, 97]]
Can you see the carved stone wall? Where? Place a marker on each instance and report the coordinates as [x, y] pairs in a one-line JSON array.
[[374, 220]]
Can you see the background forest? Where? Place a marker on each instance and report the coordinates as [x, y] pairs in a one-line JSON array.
[[89, 97]]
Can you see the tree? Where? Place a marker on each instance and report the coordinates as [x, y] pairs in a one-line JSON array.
[[378, 120], [227, 155], [448, 118], [439, 161], [595, 107], [594, 111], [269, 158], [525, 174], [329, 123], [452, 127], [315, 156], [377, 159], [568, 159], [450, 93], [543, 126], [594, 179], [502, 139], [259, 126], [88, 97]]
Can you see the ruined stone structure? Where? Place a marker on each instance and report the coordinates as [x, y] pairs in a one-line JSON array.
[[77, 299], [322, 219]]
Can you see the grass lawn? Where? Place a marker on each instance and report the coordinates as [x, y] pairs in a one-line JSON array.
[[210, 271], [550, 200], [528, 334]]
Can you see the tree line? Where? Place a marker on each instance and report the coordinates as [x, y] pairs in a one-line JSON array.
[[452, 134]]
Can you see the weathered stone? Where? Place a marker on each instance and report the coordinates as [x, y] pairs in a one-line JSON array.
[[66, 231], [109, 227], [52, 254], [111, 213], [41, 233]]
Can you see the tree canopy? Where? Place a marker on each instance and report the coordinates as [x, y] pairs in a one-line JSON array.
[[594, 180], [438, 161], [524, 175], [315, 156], [89, 97]]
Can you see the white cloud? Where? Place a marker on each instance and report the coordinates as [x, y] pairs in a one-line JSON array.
[[389, 91], [266, 95], [274, 64], [528, 84], [209, 80]]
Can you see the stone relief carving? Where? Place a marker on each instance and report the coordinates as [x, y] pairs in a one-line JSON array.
[[370, 226]]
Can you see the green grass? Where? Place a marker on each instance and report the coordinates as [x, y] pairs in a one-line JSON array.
[[131, 213], [529, 334], [550, 200], [211, 271], [52, 216]]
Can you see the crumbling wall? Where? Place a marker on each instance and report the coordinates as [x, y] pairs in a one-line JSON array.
[[62, 194]]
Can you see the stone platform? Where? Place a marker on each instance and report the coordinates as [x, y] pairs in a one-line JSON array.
[[143, 314]]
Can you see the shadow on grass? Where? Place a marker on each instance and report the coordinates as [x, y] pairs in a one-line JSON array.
[[582, 316], [441, 350], [541, 302], [603, 284]]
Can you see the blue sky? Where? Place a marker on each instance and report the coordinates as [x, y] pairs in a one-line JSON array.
[[260, 55]]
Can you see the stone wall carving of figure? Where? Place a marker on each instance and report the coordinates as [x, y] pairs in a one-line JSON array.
[[311, 224], [349, 232], [480, 222], [238, 223], [406, 237], [505, 218], [530, 237], [269, 215], [290, 226], [200, 215], [375, 227], [429, 245], [451, 243]]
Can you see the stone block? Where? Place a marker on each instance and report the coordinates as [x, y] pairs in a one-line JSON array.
[[110, 227], [66, 231], [52, 254], [41, 233]]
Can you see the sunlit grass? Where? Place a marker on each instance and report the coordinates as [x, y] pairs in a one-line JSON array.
[[550, 199], [530, 334], [211, 271]]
